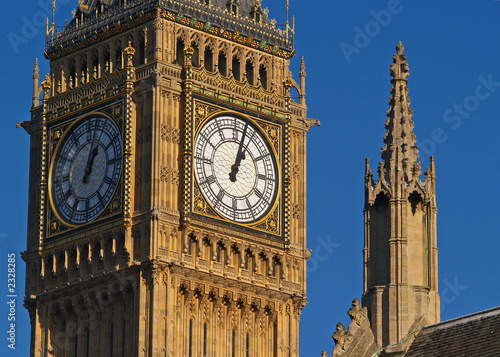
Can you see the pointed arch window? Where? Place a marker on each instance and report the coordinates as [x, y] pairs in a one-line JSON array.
[[222, 63], [205, 339], [233, 7], [249, 72], [236, 68], [190, 347], [256, 13], [209, 60], [263, 76], [180, 52], [247, 349], [233, 344]]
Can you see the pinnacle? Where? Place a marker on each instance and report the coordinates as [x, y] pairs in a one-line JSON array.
[[399, 152]]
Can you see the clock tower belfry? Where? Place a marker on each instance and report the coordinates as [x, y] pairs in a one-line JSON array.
[[167, 183]]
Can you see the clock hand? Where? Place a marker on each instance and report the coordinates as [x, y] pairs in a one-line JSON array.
[[240, 155], [90, 163]]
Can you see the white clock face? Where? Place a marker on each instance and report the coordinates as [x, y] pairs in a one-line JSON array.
[[86, 170], [235, 168]]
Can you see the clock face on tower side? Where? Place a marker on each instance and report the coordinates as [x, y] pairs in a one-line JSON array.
[[235, 168], [86, 169]]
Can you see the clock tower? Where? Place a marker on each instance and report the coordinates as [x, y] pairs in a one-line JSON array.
[[167, 183]]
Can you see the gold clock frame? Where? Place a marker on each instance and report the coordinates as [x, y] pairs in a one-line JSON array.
[[55, 226], [269, 229]]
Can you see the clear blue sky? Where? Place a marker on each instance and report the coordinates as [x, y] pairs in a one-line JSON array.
[[451, 46]]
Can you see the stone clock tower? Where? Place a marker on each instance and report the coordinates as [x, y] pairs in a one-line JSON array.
[[167, 184]]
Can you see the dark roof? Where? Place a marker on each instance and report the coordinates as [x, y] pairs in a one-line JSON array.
[[472, 335]]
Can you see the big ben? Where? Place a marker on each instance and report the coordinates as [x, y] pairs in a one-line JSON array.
[[167, 211]]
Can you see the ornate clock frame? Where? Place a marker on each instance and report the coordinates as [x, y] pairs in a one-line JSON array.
[[57, 128], [273, 229]]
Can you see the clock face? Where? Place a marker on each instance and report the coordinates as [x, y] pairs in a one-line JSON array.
[[86, 169], [235, 168]]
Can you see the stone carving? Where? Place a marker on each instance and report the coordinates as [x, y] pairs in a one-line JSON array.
[[358, 314], [296, 210], [342, 339]]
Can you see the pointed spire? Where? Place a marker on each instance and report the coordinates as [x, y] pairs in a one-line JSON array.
[[36, 92], [302, 75], [399, 152]]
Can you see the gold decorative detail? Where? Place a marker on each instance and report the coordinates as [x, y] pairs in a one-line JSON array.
[[57, 135], [296, 211], [117, 112], [296, 171], [129, 50], [272, 224], [200, 205], [54, 226]]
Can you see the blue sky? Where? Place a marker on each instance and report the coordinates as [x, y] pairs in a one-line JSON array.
[[452, 47]]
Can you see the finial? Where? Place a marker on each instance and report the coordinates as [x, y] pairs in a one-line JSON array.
[[36, 70], [287, 82], [47, 84], [400, 48], [129, 50]]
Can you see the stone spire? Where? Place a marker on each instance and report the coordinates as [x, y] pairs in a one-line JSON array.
[[302, 74], [399, 152]]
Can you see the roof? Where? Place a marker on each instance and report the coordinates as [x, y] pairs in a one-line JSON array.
[[472, 335], [94, 16]]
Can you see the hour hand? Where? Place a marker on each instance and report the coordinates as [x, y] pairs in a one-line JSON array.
[[240, 155], [90, 163]]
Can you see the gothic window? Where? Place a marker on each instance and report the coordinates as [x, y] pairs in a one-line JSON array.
[[88, 344], [249, 72], [142, 51], [190, 347], [209, 60], [233, 344], [111, 340], [95, 65], [258, 17], [233, 7], [236, 68], [72, 75], [247, 350], [118, 56], [246, 261], [222, 64], [180, 52], [205, 339], [263, 76], [195, 60], [123, 337], [218, 253]]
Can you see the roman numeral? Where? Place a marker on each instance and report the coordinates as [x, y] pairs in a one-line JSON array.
[[211, 180], [112, 161], [220, 195], [261, 157]]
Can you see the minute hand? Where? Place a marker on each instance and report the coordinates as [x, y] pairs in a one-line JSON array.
[[240, 155]]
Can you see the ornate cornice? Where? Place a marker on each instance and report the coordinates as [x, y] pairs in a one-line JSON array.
[[189, 13]]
